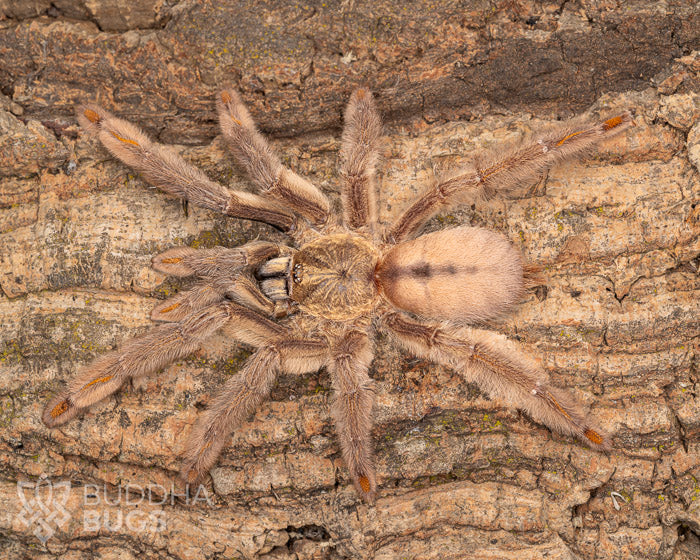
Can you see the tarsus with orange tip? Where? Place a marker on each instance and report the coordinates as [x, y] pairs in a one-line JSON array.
[[91, 115], [59, 409], [613, 122], [594, 436], [364, 483]]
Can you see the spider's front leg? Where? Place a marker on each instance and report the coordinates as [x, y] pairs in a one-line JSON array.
[[153, 350], [353, 398], [501, 369], [165, 169], [137, 357], [252, 151], [504, 170]]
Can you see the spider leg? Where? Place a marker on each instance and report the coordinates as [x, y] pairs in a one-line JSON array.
[[165, 169], [498, 366], [242, 289], [242, 394], [151, 351], [502, 171], [252, 151], [353, 398], [359, 154], [176, 308], [226, 273], [218, 261]]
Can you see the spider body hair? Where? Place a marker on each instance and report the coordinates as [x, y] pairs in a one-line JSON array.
[[320, 302], [465, 274]]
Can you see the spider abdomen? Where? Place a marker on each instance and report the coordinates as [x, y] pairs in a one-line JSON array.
[[464, 274]]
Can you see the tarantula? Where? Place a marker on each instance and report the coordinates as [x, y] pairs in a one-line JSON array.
[[319, 303]]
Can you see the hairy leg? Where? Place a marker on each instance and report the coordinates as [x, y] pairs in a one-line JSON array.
[[500, 171], [358, 154], [218, 261], [253, 152], [153, 350], [501, 369], [226, 273], [241, 288], [353, 398], [242, 394], [165, 169]]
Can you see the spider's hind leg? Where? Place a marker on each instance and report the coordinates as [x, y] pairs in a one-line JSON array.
[[502, 370], [500, 171]]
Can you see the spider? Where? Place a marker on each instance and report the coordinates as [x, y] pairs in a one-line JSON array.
[[320, 302]]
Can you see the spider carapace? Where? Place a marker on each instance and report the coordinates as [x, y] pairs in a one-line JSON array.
[[320, 301], [331, 277]]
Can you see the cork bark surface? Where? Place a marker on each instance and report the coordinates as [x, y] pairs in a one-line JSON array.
[[461, 476]]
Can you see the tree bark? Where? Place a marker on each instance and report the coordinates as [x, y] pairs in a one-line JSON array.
[[460, 476]]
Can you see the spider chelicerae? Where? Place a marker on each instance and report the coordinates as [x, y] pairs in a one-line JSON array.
[[320, 302]]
